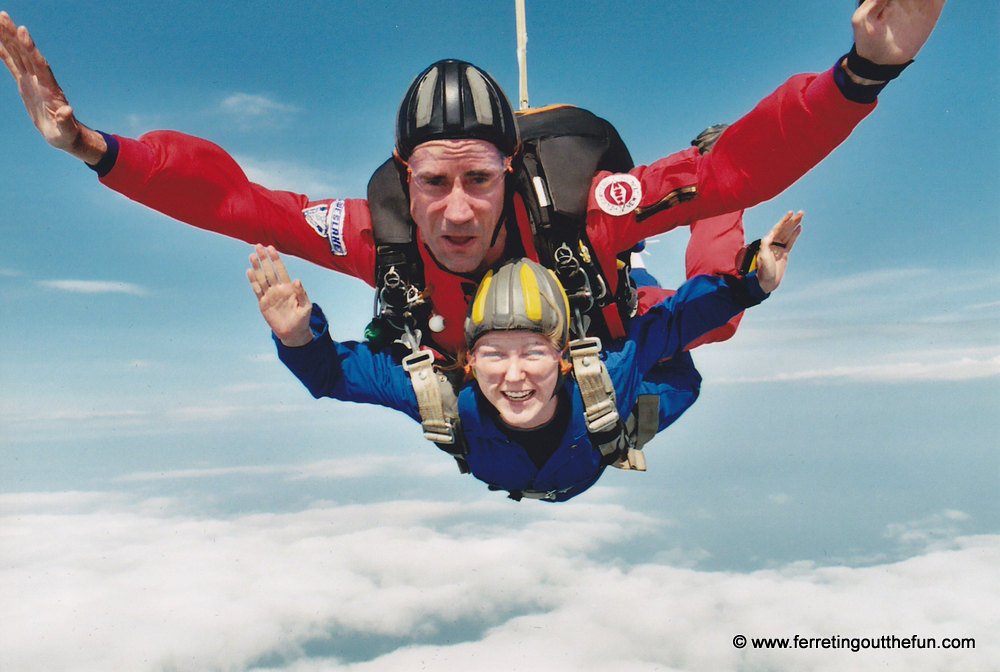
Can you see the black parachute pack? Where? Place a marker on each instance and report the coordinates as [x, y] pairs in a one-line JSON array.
[[562, 148]]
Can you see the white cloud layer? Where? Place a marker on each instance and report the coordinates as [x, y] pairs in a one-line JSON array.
[[101, 582]]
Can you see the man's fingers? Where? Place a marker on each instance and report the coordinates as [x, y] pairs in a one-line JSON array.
[[25, 54], [8, 61], [34, 64], [12, 49]]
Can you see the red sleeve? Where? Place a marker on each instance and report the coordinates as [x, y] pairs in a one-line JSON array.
[[779, 141], [198, 183], [755, 159]]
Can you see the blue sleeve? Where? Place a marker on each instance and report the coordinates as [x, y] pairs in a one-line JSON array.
[[700, 305], [349, 371]]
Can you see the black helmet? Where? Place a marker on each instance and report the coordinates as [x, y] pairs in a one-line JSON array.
[[454, 100], [521, 294]]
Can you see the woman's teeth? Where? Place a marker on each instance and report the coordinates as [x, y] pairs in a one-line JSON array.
[[519, 396]]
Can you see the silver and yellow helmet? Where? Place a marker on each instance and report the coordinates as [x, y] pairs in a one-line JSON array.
[[521, 294]]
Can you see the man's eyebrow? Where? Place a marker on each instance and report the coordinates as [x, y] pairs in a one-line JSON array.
[[429, 172], [483, 171], [441, 172]]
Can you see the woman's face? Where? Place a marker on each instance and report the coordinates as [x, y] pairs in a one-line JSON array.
[[517, 372]]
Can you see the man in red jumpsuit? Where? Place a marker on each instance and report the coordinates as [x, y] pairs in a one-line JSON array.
[[456, 181]]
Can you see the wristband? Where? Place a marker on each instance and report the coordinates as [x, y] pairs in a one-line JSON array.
[[107, 162], [866, 69], [865, 94]]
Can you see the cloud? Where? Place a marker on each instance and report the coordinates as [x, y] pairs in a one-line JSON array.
[[98, 582], [966, 368], [862, 283], [93, 287], [891, 296], [929, 532], [289, 176], [984, 306], [45, 416], [249, 110], [888, 326]]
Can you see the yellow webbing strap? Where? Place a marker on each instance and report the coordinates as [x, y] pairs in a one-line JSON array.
[[595, 384], [436, 425]]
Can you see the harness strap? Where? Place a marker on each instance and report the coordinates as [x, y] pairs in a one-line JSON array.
[[437, 428], [595, 385], [438, 406]]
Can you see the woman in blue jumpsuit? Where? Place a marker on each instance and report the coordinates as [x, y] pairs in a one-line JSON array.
[[522, 416]]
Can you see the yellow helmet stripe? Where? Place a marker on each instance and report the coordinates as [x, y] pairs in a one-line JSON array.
[[479, 306], [532, 297]]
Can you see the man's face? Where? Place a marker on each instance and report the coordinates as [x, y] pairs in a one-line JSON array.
[[456, 200], [517, 372]]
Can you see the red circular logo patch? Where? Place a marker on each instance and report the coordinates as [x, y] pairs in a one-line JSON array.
[[619, 194]]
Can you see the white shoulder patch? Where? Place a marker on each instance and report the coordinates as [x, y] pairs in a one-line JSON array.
[[618, 194], [328, 221], [316, 217]]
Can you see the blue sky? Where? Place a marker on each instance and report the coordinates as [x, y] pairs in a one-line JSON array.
[[171, 498]]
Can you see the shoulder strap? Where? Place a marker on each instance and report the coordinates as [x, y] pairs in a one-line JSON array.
[[615, 439], [438, 405], [595, 385], [399, 277]]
